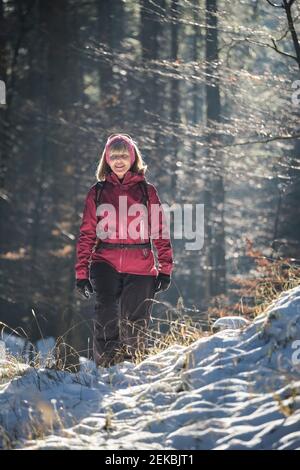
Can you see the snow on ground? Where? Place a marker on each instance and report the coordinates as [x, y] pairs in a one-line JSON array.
[[237, 389]]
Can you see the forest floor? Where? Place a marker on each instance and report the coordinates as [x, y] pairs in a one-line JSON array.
[[236, 389]]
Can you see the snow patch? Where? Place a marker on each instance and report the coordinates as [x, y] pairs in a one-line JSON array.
[[236, 389]]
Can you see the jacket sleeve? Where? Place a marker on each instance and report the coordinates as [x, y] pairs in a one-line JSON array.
[[160, 234], [87, 236]]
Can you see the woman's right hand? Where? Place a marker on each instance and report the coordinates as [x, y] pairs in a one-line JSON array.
[[84, 288]]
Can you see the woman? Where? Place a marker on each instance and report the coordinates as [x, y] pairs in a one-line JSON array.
[[114, 256]]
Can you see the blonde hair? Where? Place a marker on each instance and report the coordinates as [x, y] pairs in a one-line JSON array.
[[119, 148]]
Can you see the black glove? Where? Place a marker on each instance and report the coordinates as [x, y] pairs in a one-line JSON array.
[[84, 288], [163, 282]]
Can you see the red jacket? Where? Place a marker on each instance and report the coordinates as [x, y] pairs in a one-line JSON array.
[[134, 261]]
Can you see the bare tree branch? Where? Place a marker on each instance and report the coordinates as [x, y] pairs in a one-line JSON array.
[[281, 52], [264, 141], [274, 5], [275, 48], [292, 28]]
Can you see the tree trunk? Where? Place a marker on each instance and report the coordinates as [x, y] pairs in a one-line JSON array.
[[214, 192]]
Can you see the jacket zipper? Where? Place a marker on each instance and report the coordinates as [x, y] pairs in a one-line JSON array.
[[121, 236], [121, 259]]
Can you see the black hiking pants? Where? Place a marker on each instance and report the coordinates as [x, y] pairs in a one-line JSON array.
[[122, 313]]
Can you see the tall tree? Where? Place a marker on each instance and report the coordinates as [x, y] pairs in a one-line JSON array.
[[3, 77], [152, 89], [214, 191]]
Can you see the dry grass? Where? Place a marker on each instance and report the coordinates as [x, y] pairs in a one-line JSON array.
[[269, 278], [12, 367]]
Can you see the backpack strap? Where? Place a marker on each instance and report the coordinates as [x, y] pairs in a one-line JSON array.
[[144, 188], [99, 188]]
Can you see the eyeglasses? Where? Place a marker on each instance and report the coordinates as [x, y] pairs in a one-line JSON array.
[[114, 158]]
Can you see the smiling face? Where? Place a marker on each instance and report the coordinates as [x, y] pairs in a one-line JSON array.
[[120, 163]]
